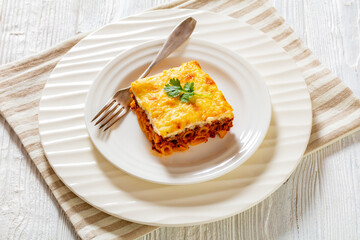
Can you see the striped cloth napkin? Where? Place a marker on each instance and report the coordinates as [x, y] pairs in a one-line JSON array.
[[336, 110]]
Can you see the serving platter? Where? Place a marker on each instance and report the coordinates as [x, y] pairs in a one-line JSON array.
[[127, 147], [88, 174]]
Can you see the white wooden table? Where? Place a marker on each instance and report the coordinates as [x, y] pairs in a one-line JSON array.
[[321, 200]]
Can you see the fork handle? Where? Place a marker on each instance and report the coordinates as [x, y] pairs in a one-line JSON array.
[[179, 35]]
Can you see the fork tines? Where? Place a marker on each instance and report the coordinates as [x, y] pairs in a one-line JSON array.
[[110, 111]]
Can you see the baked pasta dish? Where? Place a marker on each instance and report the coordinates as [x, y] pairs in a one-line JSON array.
[[179, 107]]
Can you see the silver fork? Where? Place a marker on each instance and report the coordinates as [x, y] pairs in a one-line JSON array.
[[119, 103]]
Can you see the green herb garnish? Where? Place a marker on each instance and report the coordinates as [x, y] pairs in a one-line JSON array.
[[174, 89]]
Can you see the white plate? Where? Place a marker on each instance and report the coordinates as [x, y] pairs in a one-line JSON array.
[[127, 147], [82, 168]]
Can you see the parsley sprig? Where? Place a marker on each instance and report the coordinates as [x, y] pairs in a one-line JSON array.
[[174, 89]]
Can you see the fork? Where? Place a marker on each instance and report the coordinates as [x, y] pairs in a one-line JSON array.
[[118, 105]]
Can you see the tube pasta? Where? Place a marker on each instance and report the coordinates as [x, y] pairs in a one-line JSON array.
[[222, 133], [203, 131], [166, 150], [199, 139], [188, 135]]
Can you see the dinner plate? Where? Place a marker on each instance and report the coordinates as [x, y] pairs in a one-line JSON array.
[[127, 147], [88, 174]]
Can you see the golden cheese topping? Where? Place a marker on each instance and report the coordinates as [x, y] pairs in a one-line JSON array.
[[170, 116]]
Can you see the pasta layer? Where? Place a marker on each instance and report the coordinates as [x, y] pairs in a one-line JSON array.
[[181, 141]]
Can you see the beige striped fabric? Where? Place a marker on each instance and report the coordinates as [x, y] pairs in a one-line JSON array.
[[336, 111]]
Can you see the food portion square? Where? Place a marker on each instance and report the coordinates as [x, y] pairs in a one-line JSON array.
[[179, 107]]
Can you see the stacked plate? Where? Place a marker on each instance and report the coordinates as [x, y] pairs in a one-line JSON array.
[[116, 171]]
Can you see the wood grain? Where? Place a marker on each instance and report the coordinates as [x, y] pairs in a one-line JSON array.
[[321, 200]]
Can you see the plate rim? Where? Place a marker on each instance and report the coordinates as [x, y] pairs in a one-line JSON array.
[[224, 170], [190, 11]]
